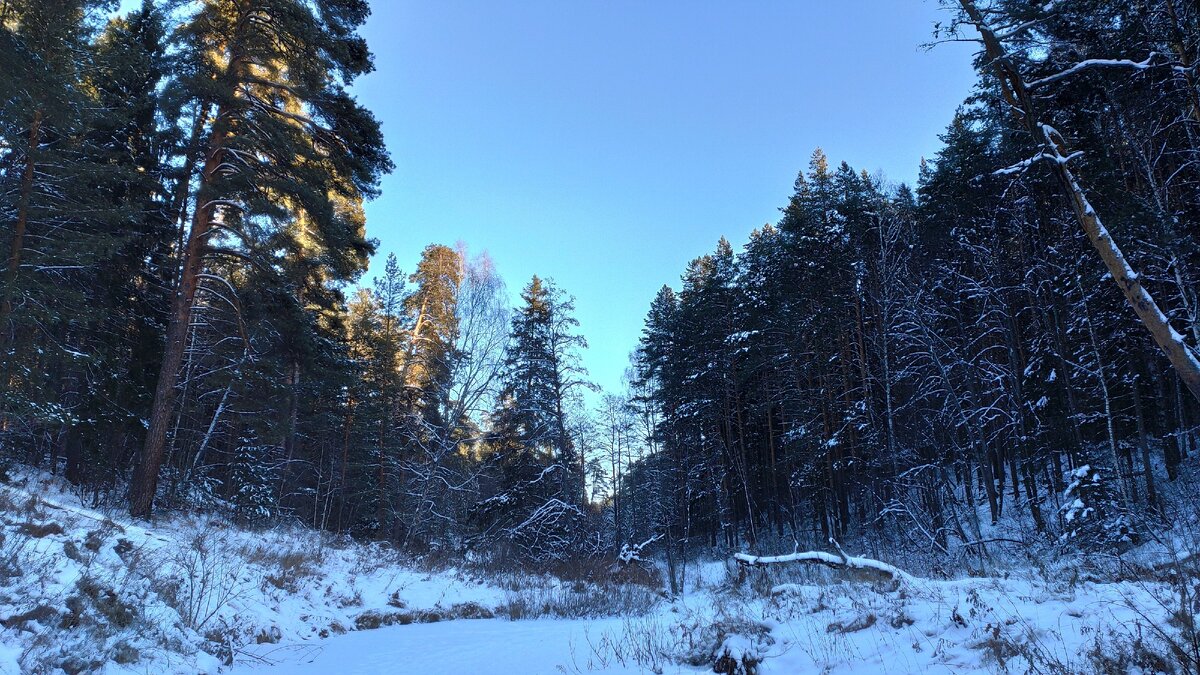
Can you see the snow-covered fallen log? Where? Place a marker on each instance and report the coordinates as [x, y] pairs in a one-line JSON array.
[[837, 560]]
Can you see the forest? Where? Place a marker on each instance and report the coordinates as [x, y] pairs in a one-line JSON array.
[[1002, 356]]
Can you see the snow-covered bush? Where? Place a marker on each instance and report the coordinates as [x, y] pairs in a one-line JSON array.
[[1093, 515], [74, 596], [284, 560], [647, 642]]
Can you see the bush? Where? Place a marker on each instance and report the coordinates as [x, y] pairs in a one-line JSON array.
[[578, 601], [200, 579]]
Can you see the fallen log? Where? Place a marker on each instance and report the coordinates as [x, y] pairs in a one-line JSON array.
[[837, 561]]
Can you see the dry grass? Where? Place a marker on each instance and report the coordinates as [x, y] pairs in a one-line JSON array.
[[578, 601], [373, 619]]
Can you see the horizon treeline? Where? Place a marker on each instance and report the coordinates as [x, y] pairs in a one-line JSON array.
[[933, 368]]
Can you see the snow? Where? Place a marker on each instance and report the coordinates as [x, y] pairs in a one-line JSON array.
[[9, 664], [475, 646], [289, 584], [794, 618], [962, 626], [944, 627]]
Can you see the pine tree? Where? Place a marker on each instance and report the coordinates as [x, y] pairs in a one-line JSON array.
[[41, 95], [44, 47], [1016, 89], [86, 296], [123, 157], [433, 313], [286, 143]]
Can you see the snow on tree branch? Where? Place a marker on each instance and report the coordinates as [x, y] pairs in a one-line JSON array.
[[1093, 63], [631, 554], [1022, 166]]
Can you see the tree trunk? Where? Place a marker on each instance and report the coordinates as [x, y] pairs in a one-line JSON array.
[[1144, 445], [145, 477], [18, 238], [346, 427], [179, 201], [1106, 397]]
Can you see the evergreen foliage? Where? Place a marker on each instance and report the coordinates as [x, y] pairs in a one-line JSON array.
[[928, 367]]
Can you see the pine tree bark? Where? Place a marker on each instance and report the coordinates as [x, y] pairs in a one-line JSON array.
[[179, 200], [1017, 95], [145, 477], [25, 198]]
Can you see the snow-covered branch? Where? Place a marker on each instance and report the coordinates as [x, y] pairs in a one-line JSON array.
[[1021, 166], [631, 554], [1093, 63]]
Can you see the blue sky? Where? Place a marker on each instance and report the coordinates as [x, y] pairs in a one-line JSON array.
[[606, 143]]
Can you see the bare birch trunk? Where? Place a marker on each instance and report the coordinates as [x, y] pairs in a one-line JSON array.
[[1016, 92]]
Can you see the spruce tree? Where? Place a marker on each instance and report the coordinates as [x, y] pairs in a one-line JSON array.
[[541, 493], [544, 373]]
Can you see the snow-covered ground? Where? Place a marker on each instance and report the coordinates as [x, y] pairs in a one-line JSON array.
[[951, 627], [481, 646], [84, 591]]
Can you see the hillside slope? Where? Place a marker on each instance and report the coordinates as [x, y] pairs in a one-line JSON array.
[[84, 591]]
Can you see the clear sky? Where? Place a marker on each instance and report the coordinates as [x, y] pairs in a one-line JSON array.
[[605, 143]]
